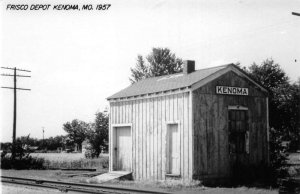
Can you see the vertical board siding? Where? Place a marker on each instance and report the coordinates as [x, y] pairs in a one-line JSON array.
[[163, 137], [144, 139], [185, 136], [155, 139], [149, 118], [133, 116], [151, 145], [140, 138], [181, 126], [109, 137], [203, 127], [147, 139], [210, 118], [159, 139]]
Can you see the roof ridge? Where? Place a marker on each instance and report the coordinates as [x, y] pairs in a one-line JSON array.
[[150, 85], [160, 76], [215, 66]]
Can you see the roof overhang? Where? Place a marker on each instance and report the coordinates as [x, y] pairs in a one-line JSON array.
[[151, 95], [221, 72], [194, 86]]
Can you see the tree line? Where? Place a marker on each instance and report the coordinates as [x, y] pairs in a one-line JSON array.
[[95, 133]]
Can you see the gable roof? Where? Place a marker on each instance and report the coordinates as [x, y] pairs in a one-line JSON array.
[[172, 82]]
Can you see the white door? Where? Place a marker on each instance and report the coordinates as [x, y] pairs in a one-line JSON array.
[[174, 150], [123, 149]]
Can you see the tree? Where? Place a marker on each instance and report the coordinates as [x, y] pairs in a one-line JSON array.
[[291, 108], [98, 134], [159, 62], [52, 143], [283, 105], [271, 76], [77, 131], [29, 140]]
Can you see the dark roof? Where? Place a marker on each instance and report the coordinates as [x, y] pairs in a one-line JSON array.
[[166, 83]]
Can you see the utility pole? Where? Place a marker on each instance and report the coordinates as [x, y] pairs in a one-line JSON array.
[[43, 136], [296, 14], [43, 133], [15, 88]]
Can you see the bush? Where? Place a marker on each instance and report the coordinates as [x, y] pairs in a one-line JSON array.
[[256, 175], [26, 162], [104, 162], [22, 159]]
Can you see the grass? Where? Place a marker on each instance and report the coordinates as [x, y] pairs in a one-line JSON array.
[[58, 161], [97, 163], [194, 187], [77, 160], [171, 186], [56, 175], [62, 156], [72, 160]]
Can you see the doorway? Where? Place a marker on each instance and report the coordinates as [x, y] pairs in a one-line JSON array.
[[238, 137], [123, 148], [173, 150]]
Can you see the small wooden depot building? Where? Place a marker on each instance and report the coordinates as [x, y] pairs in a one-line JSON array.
[[192, 125]]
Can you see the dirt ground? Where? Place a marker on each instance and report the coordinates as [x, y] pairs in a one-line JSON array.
[[56, 175], [170, 186], [13, 189]]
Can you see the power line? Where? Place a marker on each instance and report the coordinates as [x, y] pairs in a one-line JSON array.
[[3, 74], [15, 88], [294, 13], [15, 68]]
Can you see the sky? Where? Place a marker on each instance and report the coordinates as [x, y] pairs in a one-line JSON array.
[[79, 58]]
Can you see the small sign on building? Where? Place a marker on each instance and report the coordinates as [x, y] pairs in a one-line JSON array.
[[232, 90]]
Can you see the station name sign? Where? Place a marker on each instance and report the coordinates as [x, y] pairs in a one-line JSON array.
[[232, 90]]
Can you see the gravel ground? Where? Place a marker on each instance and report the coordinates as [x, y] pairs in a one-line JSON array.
[[7, 188]]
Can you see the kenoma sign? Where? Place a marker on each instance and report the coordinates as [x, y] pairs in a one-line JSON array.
[[232, 90]]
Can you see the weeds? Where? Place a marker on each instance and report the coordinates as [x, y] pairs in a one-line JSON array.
[[99, 163], [26, 162]]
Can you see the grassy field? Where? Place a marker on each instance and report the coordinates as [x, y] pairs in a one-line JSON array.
[[72, 160], [62, 156]]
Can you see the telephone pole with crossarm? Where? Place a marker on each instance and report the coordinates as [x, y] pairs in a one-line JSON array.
[[15, 88]]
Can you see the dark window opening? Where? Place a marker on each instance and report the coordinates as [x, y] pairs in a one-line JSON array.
[[238, 132]]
